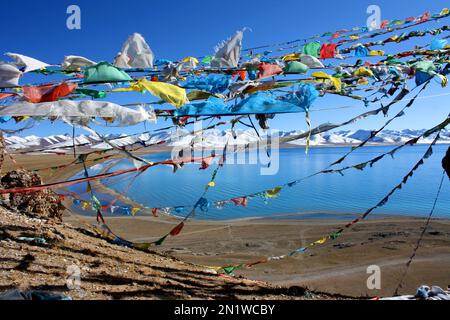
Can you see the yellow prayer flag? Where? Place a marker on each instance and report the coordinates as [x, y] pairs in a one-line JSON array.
[[374, 53], [321, 241], [363, 72], [335, 81], [170, 93], [273, 192], [291, 57], [187, 59]]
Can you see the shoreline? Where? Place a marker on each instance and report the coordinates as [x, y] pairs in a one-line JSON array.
[[163, 149], [336, 267], [386, 242]]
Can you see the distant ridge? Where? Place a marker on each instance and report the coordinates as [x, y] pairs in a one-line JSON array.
[[213, 139]]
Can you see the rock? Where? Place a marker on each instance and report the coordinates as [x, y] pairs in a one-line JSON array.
[[44, 204], [446, 162], [344, 245]]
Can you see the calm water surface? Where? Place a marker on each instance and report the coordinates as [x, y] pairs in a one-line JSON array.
[[314, 198]]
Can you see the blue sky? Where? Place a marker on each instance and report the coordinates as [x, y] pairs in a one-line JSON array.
[[176, 29]]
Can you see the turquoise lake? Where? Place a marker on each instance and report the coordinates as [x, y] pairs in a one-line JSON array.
[[314, 198]]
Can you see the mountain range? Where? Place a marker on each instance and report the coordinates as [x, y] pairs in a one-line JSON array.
[[210, 139]]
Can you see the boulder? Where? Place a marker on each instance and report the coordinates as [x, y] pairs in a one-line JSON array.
[[44, 204]]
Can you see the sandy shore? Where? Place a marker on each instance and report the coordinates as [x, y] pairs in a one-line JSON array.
[[337, 267]]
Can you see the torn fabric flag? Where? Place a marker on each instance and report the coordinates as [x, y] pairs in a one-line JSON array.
[[228, 52], [27, 64], [213, 83], [76, 62], [69, 110], [9, 76], [135, 53]]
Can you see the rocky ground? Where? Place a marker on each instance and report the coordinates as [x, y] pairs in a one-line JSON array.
[[40, 254]]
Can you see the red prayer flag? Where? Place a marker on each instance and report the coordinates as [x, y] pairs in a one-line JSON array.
[[328, 51], [267, 70], [6, 95], [425, 17], [240, 201], [48, 93], [177, 230]]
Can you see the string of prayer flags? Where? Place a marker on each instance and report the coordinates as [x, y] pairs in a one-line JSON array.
[[274, 192], [228, 84], [398, 115], [202, 203], [336, 234], [78, 111]]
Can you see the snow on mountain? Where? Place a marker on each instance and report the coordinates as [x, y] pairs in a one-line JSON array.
[[211, 139]]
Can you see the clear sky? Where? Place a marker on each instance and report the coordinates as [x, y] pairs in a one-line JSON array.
[[176, 29]]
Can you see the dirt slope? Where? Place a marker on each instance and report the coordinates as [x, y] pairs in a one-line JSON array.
[[109, 271]]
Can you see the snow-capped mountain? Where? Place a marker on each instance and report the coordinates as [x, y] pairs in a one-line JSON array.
[[210, 139]]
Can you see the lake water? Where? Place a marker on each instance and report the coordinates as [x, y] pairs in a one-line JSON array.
[[315, 198]]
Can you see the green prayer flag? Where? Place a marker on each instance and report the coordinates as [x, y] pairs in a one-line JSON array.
[[161, 241], [360, 166], [230, 270], [296, 67], [207, 59], [312, 49], [96, 205], [105, 72], [335, 235], [91, 93]]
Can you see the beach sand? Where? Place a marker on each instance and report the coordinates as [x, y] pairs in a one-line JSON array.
[[339, 266]]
